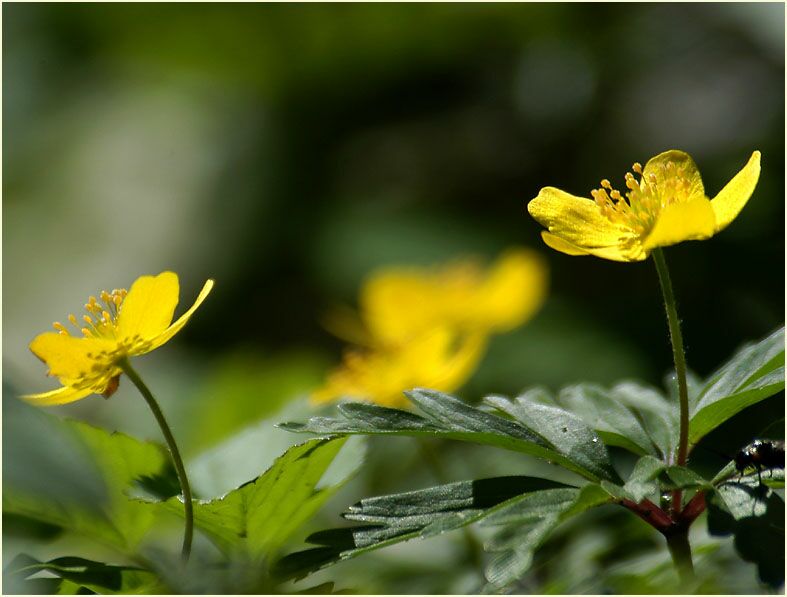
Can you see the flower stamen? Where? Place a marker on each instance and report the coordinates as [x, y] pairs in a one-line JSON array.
[[639, 208], [99, 321]]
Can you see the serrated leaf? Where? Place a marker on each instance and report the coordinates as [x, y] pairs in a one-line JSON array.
[[78, 573], [424, 513], [444, 410], [754, 373], [445, 417], [617, 423], [563, 432], [436, 510], [517, 546], [122, 461], [361, 417], [529, 522], [258, 517]]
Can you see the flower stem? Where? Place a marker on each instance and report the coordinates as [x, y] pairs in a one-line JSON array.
[[678, 354], [677, 542], [680, 550], [173, 450]]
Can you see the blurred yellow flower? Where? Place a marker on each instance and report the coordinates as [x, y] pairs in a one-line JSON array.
[[429, 327], [438, 359], [666, 206], [123, 324], [398, 303]]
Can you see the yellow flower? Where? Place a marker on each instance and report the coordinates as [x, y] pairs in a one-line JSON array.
[[666, 206], [429, 327], [438, 359], [121, 325], [398, 303]]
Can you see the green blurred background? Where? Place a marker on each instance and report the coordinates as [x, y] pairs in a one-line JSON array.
[[288, 150]]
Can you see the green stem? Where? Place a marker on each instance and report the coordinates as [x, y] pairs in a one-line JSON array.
[[678, 354], [680, 550], [173, 450]]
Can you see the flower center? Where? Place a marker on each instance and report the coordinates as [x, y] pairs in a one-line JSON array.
[[101, 318], [645, 199]]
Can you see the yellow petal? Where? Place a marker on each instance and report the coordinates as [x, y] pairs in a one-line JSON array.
[[513, 291], [62, 395], [453, 366], [693, 220], [679, 162], [397, 303], [731, 199], [630, 252], [557, 243], [575, 219], [436, 359], [167, 334], [68, 356], [149, 306]]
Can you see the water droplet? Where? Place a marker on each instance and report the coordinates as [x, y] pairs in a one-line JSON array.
[[594, 440], [666, 500]]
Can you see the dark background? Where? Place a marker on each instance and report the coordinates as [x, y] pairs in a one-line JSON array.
[[287, 150]]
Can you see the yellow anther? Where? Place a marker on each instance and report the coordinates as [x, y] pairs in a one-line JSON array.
[[615, 194], [107, 317], [87, 319], [72, 319], [60, 327], [606, 184], [637, 167], [105, 296], [86, 332], [117, 299]]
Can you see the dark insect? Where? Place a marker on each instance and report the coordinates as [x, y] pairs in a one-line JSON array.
[[762, 454]]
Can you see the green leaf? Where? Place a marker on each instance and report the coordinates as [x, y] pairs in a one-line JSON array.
[[76, 573], [439, 509], [427, 512], [446, 417], [680, 477], [562, 431], [258, 517], [529, 522], [617, 423], [657, 415], [41, 453], [121, 461], [754, 514], [753, 374], [643, 479]]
